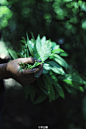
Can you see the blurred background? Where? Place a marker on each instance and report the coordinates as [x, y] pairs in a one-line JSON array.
[[64, 22]]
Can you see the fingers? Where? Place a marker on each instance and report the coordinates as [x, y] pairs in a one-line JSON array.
[[32, 72], [32, 79], [27, 60], [39, 71]]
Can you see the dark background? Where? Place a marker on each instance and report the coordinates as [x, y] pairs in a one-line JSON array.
[[64, 22]]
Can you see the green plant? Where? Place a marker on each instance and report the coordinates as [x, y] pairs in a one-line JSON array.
[[5, 13], [54, 69], [29, 66]]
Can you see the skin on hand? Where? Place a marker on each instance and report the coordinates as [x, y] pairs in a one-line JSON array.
[[24, 77]]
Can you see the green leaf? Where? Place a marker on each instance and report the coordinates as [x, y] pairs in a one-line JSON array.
[[43, 48], [32, 35], [27, 53], [38, 44], [46, 66], [20, 69], [23, 40], [55, 46], [50, 88], [40, 98], [20, 55], [53, 63], [42, 85], [60, 61], [81, 89], [46, 50], [54, 77], [57, 50], [36, 64], [22, 47], [73, 80], [12, 53], [45, 71], [56, 68], [51, 56], [57, 87], [68, 88], [63, 54], [30, 46], [60, 90], [43, 40]]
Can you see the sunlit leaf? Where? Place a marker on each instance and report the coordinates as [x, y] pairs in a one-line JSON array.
[[60, 61], [46, 66], [56, 68], [57, 50], [63, 54], [43, 48]]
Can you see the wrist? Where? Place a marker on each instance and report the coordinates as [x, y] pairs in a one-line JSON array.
[[3, 71]]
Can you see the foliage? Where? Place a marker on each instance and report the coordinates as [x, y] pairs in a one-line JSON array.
[[29, 66], [67, 15], [5, 13], [54, 70]]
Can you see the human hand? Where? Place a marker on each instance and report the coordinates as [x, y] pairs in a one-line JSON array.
[[24, 77]]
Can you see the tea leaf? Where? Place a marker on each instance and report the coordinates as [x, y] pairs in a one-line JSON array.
[[47, 85], [38, 45], [50, 88], [56, 68], [73, 80], [60, 90], [60, 61], [40, 98], [63, 54], [45, 71], [30, 46], [43, 40], [12, 53], [43, 48], [55, 46], [46, 66], [42, 86]]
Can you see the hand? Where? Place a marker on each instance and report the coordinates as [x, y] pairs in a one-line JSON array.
[[24, 77]]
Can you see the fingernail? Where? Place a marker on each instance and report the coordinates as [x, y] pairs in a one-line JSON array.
[[39, 60]]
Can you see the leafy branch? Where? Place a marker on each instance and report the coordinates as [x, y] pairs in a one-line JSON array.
[[54, 69]]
